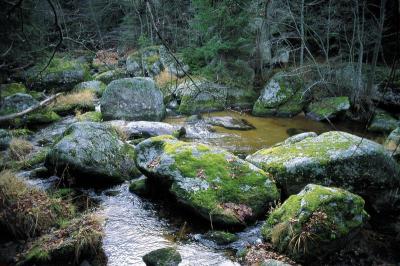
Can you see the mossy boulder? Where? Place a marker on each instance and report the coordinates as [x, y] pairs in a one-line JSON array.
[[96, 86], [392, 144], [151, 61], [170, 63], [133, 99], [328, 108], [163, 257], [139, 187], [63, 73], [110, 75], [201, 96], [79, 239], [90, 116], [334, 158], [221, 237], [213, 183], [297, 138], [315, 222], [19, 102], [11, 89], [133, 65], [383, 122], [282, 96], [93, 154]]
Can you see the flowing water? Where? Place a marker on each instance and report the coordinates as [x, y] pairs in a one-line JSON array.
[[135, 226]]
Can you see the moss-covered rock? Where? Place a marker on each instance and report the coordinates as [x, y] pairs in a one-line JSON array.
[[92, 154], [392, 143], [139, 187], [297, 138], [221, 237], [328, 108], [334, 158], [201, 96], [110, 75], [213, 183], [163, 257], [11, 89], [282, 96], [315, 222], [19, 102], [170, 63], [383, 122], [90, 116], [63, 73], [79, 239], [96, 86], [133, 99]]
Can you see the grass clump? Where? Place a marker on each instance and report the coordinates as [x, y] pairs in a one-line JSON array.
[[19, 149], [27, 212], [89, 116], [79, 239], [75, 101]]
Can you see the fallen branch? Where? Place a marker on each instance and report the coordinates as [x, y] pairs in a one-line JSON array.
[[43, 103]]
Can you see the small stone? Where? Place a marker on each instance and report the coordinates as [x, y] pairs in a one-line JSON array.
[[163, 257]]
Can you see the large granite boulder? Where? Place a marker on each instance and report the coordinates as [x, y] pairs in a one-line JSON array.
[[334, 159], [93, 154], [383, 122], [282, 96], [328, 108], [213, 183], [132, 99], [315, 222]]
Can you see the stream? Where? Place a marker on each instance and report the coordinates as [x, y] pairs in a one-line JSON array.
[[135, 226]]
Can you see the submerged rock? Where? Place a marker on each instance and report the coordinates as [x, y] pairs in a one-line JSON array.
[[334, 158], [392, 144], [163, 257], [230, 123], [96, 86], [93, 154], [140, 129], [282, 96], [221, 237], [328, 108], [132, 99], [315, 222], [211, 182], [383, 122]]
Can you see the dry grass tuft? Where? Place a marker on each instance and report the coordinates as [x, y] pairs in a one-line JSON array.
[[165, 79], [27, 212], [19, 148], [84, 97], [122, 134], [104, 57]]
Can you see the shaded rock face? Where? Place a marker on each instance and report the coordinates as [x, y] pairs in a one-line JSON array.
[[392, 144], [211, 182], [140, 129], [334, 158], [5, 139], [315, 222], [17, 103], [132, 99], [383, 122], [145, 62], [96, 86], [170, 63], [230, 123], [61, 74], [50, 134], [388, 97], [93, 154], [328, 108], [162, 257], [282, 96]]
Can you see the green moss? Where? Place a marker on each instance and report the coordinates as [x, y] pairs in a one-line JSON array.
[[221, 237], [318, 214], [150, 60], [328, 107], [110, 75], [90, 116], [43, 116], [38, 254], [139, 187], [190, 106], [12, 88]]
